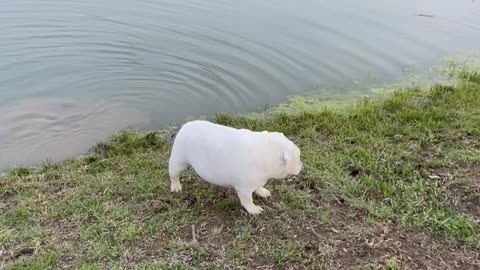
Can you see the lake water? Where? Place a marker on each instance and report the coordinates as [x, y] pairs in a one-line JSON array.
[[74, 72]]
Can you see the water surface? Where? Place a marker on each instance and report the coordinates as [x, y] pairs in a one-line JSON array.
[[73, 72]]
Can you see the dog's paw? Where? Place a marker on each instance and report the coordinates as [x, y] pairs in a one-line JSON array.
[[175, 187], [263, 192], [255, 210]]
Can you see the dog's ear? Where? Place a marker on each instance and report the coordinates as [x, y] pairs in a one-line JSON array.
[[286, 156]]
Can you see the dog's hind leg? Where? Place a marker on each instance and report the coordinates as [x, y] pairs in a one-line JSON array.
[[245, 196], [175, 166], [263, 192]]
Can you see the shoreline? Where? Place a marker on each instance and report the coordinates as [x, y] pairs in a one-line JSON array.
[[436, 74]]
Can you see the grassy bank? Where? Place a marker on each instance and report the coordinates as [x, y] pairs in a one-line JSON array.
[[389, 183]]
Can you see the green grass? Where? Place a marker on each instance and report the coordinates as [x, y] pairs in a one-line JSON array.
[[385, 182]]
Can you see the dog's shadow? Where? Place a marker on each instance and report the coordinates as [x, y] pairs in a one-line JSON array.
[[206, 197], [210, 199]]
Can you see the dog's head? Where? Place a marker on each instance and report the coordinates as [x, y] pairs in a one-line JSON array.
[[291, 163], [291, 158]]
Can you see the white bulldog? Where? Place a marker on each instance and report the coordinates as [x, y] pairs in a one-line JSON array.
[[233, 158]]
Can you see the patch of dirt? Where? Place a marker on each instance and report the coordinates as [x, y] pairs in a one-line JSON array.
[[471, 173], [465, 198], [23, 252], [351, 243], [462, 186], [154, 248], [471, 140], [411, 249], [211, 237], [6, 195]]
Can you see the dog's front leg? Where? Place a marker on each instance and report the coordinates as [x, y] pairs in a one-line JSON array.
[[245, 196]]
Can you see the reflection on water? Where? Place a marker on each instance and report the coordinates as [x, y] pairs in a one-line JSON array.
[[55, 129], [73, 72]]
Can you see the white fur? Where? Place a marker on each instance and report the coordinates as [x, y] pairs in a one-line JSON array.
[[233, 158]]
